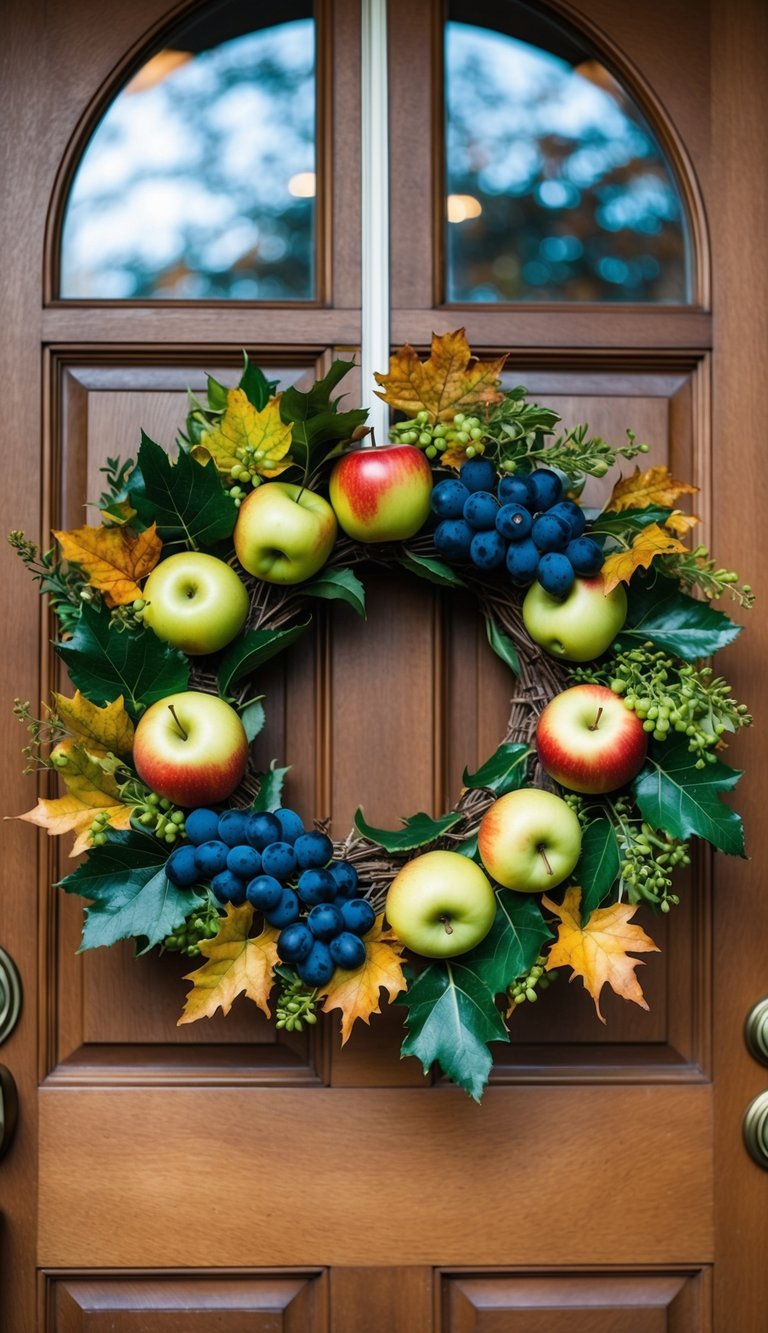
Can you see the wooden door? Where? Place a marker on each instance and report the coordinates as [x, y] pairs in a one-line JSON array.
[[166, 1178]]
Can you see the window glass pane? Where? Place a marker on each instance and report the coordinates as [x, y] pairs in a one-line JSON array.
[[557, 189], [199, 181]]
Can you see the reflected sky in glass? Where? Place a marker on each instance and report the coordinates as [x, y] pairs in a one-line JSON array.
[[198, 182], [561, 191]]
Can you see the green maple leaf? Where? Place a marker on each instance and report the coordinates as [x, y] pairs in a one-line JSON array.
[[104, 664], [451, 1018], [186, 498], [671, 793]]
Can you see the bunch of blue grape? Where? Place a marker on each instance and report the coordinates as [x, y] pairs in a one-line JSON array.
[[287, 872], [523, 523]]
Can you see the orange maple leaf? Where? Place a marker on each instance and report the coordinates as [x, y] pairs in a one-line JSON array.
[[654, 487], [451, 379], [621, 565], [356, 993], [235, 965], [68, 814], [91, 790], [597, 951], [263, 434], [113, 559]]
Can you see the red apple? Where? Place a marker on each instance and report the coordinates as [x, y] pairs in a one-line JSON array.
[[191, 748], [589, 741], [381, 493]]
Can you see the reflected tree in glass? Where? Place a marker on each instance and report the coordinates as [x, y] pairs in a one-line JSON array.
[[199, 181]]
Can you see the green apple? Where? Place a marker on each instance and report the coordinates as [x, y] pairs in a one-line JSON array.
[[529, 840], [195, 602], [440, 904], [191, 747], [579, 626], [284, 533], [381, 493]]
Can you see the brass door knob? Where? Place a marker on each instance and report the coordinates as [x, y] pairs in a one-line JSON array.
[[755, 1129], [10, 995], [9, 1106], [756, 1031]]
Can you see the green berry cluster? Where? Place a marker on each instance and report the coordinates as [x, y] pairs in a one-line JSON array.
[[435, 437], [695, 571], [160, 815], [248, 468], [129, 617], [203, 924], [527, 986], [97, 833], [296, 1004], [648, 858]]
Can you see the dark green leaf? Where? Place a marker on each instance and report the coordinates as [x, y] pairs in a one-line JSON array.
[[217, 395], [270, 791], [674, 795], [316, 423], [502, 645], [419, 830], [513, 943], [255, 385], [682, 625], [132, 897], [451, 1018], [338, 585], [434, 571], [103, 663], [252, 650], [298, 406], [185, 499], [467, 848], [253, 718], [503, 772], [615, 523], [598, 864]]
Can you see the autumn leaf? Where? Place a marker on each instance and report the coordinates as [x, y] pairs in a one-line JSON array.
[[597, 951], [654, 487], [113, 559], [451, 379], [91, 790], [621, 565], [264, 436], [234, 965], [103, 730], [67, 814], [356, 993], [680, 523]]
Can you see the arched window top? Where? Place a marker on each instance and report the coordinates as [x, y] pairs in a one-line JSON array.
[[557, 188], [199, 180]]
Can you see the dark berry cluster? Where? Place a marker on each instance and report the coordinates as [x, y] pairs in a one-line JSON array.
[[285, 871], [521, 522]]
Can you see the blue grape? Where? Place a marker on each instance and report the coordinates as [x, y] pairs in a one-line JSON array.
[[585, 555], [295, 942], [228, 888], [550, 533], [478, 474], [291, 824], [181, 867], [279, 859], [201, 826], [316, 886], [286, 912], [488, 549], [263, 828], [325, 921], [480, 510], [358, 915], [264, 892], [573, 514], [347, 950], [452, 538], [318, 967], [244, 860], [555, 574], [232, 827], [516, 490], [523, 561], [448, 498], [547, 488], [345, 877], [211, 857], [514, 522], [313, 850]]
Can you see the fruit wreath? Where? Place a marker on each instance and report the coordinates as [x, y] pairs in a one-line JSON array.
[[207, 564]]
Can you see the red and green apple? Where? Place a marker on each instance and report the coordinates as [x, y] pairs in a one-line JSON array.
[[195, 602], [589, 741], [381, 493], [440, 904], [579, 626], [191, 747], [529, 840], [284, 533]]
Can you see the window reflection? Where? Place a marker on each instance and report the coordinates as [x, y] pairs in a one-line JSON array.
[[557, 190], [199, 181]]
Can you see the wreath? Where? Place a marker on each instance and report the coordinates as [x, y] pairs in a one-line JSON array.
[[207, 564]]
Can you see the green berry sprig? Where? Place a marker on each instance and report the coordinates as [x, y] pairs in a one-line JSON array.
[[649, 857], [527, 986], [203, 924], [296, 1002], [154, 813], [435, 437], [695, 571], [128, 618]]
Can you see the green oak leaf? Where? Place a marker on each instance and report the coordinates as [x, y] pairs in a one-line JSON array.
[[618, 523], [132, 897], [513, 943], [598, 864], [418, 831], [104, 664], [671, 793], [682, 625], [269, 795], [252, 651], [502, 645], [451, 1018], [186, 498], [503, 772], [434, 571], [338, 585], [255, 385]]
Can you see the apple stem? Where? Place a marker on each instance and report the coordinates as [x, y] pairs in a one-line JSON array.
[[541, 849], [184, 733], [596, 722], [447, 927]]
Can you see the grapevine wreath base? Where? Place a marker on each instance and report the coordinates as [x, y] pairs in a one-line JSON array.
[[615, 728]]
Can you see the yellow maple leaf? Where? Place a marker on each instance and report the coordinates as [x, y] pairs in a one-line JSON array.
[[680, 523], [621, 565], [263, 435], [449, 380], [234, 965], [91, 790], [114, 559], [654, 487], [68, 814], [597, 951], [356, 993], [102, 729]]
